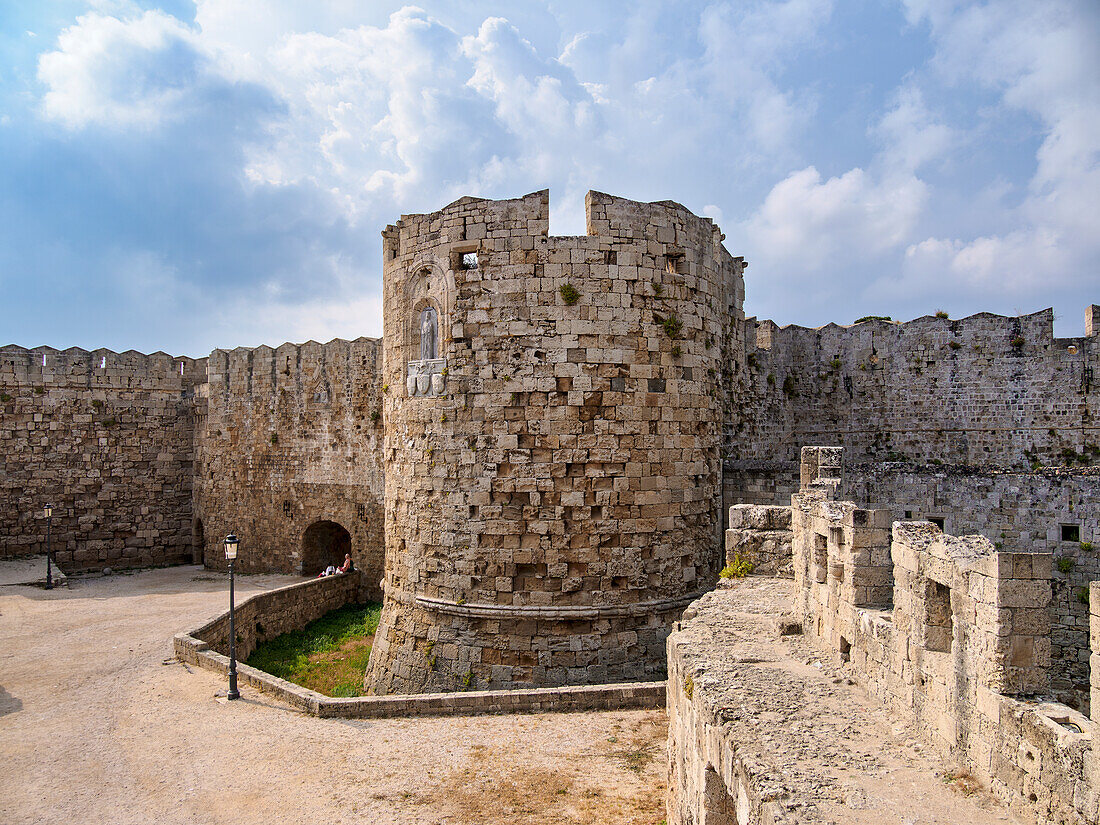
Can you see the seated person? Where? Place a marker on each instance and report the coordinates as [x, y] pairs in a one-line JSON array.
[[328, 571], [347, 566]]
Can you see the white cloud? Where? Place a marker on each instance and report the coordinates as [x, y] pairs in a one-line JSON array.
[[1041, 59], [807, 224], [120, 73]]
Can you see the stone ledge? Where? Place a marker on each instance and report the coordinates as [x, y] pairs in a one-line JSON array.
[[534, 611]]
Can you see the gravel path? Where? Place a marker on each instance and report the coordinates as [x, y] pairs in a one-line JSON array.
[[98, 724]]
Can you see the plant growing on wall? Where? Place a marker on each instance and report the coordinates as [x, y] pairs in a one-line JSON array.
[[569, 294], [672, 325], [739, 568]]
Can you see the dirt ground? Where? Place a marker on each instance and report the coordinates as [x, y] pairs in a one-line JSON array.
[[99, 724]]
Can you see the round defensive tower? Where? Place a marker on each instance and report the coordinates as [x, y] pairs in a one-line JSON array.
[[553, 411]]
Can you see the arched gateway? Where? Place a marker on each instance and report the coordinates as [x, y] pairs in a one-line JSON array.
[[324, 543]]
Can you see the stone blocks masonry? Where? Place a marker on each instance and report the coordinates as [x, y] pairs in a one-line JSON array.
[[538, 456]]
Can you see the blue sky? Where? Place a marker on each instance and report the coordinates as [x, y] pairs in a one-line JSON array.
[[189, 175]]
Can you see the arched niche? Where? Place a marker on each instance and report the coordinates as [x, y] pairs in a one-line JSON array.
[[426, 329], [324, 543]]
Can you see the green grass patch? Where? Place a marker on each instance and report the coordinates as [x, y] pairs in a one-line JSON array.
[[328, 655]]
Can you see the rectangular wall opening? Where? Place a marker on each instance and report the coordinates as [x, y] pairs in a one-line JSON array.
[[939, 627], [821, 558], [1071, 532]]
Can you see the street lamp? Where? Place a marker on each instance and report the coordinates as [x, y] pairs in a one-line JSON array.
[[48, 509], [231, 554]]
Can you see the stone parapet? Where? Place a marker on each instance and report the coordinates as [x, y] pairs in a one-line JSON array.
[[270, 614], [762, 731], [761, 535]]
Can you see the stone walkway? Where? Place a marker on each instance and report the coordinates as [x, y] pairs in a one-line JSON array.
[[816, 740], [98, 724]]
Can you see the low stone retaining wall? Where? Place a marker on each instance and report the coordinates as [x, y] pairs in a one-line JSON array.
[[267, 615], [275, 612]]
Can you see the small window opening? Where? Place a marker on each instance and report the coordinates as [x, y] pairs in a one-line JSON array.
[[1071, 532], [821, 558], [938, 521], [469, 260], [181, 367], [103, 362], [286, 507], [938, 622], [43, 359], [908, 514]]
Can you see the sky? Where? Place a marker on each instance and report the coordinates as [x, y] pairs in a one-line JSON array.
[[194, 174]]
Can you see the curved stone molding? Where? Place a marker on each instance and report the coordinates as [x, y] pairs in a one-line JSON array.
[[565, 613]]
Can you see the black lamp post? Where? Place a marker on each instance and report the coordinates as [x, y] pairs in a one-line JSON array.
[[48, 509], [231, 554]]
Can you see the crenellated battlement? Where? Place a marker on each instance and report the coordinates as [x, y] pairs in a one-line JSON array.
[[1011, 335], [99, 369], [296, 368]]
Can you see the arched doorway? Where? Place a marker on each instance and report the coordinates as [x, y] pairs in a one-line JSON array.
[[324, 543]]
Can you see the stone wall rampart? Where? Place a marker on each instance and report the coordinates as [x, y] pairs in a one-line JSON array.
[[986, 390], [107, 438], [958, 646], [290, 442]]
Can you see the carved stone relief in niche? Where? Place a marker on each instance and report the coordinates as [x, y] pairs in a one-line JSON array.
[[427, 375]]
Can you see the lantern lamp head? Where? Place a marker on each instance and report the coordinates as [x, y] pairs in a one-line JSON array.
[[231, 543], [48, 510]]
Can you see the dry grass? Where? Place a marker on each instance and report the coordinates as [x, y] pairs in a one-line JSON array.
[[629, 791], [962, 782]]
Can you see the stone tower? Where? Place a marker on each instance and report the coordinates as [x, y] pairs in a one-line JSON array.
[[553, 410]]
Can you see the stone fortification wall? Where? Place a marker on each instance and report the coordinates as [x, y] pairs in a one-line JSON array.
[[1042, 511], [552, 466], [105, 437], [289, 456], [981, 391], [760, 534], [952, 636]]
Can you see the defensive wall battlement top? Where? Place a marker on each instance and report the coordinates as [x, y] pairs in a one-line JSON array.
[[609, 221], [46, 366], [1029, 334], [285, 359]]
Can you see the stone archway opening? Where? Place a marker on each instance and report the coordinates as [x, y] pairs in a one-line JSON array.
[[324, 543]]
